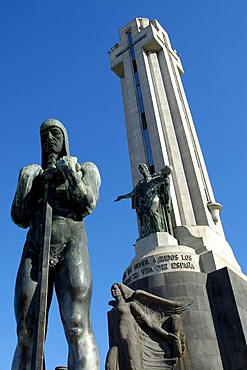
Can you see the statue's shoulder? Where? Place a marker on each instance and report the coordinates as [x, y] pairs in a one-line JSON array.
[[31, 170], [91, 177], [90, 169], [89, 166]]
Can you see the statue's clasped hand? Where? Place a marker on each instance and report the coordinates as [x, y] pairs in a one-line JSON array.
[[31, 171], [68, 165], [71, 171]]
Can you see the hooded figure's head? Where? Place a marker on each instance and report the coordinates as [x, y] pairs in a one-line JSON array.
[[45, 128]]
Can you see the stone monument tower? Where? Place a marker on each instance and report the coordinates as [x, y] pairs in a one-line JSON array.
[[194, 260]]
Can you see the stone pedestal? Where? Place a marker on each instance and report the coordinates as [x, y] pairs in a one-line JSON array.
[[227, 293], [202, 350], [216, 323], [158, 253], [213, 249]]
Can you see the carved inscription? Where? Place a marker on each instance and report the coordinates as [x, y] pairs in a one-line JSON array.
[[158, 264]]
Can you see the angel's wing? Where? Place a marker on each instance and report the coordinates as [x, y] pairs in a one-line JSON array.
[[158, 306]]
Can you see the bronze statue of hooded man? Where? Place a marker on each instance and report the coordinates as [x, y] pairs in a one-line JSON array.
[[74, 194]]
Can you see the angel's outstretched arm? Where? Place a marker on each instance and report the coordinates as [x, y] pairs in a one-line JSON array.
[[125, 196]]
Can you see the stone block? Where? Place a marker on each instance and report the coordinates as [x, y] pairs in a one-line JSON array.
[[229, 312]]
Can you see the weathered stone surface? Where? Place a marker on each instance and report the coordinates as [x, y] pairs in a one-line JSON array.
[[227, 294]]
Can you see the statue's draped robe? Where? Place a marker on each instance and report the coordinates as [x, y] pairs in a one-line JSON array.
[[146, 348], [148, 199]]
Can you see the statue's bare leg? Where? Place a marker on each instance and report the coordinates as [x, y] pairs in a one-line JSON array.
[[25, 302], [24, 312], [73, 286]]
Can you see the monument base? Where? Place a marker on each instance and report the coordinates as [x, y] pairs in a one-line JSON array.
[[227, 293], [158, 253], [202, 350], [214, 251], [216, 323]]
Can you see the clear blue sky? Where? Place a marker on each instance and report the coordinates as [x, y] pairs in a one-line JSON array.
[[54, 63]]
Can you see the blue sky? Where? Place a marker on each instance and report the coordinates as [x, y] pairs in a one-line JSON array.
[[54, 63]]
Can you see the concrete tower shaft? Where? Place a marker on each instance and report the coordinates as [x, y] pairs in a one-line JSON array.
[[151, 85]]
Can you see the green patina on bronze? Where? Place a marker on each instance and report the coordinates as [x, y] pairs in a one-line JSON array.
[[152, 201]]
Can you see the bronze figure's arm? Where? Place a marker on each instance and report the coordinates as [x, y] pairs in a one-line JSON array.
[[125, 196], [21, 206]]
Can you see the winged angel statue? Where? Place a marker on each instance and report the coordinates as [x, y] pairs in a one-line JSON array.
[[145, 331]]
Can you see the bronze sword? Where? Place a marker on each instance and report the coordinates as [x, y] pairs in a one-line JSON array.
[[43, 278]]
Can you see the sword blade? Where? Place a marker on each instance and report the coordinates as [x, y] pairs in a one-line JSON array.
[[42, 288]]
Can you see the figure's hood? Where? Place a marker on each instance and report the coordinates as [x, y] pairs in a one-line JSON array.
[[51, 122]]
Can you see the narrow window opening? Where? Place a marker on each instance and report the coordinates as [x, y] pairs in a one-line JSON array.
[[141, 105], [134, 66], [144, 122]]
